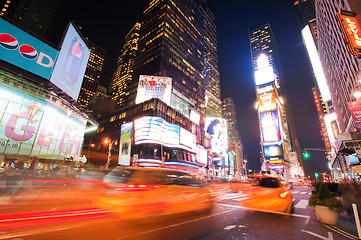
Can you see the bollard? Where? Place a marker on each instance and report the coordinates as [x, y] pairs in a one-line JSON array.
[[357, 220]]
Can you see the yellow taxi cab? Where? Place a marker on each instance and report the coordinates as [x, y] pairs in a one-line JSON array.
[[137, 192], [267, 193]]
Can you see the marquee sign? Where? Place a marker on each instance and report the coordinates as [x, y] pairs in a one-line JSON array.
[[351, 31]]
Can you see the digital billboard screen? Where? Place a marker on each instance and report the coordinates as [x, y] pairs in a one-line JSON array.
[[125, 143], [267, 101], [216, 130], [71, 64], [155, 87], [32, 126], [270, 126], [273, 150], [25, 51]]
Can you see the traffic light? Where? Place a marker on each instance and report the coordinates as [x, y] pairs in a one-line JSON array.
[[316, 175], [306, 155]]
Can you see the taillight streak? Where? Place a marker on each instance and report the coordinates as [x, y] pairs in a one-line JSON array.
[[136, 187]]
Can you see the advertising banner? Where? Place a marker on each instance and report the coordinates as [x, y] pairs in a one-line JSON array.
[[70, 67], [25, 51], [216, 130], [351, 31], [154, 87], [267, 102], [270, 126], [125, 144], [31, 126], [156, 130], [355, 109], [273, 151]]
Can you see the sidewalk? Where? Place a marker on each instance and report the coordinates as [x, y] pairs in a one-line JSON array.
[[347, 224]]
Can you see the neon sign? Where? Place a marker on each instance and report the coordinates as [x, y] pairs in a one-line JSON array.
[[351, 30]]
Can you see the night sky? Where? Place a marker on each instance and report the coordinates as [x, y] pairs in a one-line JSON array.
[[108, 23]]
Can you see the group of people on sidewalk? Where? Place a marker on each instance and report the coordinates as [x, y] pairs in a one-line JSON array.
[[350, 192]]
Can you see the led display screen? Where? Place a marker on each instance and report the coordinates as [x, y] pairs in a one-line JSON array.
[[25, 51], [352, 159], [202, 156], [154, 87], [31, 126], [351, 31], [155, 130], [264, 75], [270, 126], [180, 105], [266, 102], [125, 144], [216, 130], [273, 150], [188, 139], [70, 67]]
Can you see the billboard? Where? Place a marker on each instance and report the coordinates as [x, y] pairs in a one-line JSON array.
[[267, 102], [31, 126], [264, 73], [25, 51], [125, 144], [70, 66], [180, 105], [351, 30], [216, 130], [270, 126], [155, 87], [332, 126], [156, 130], [355, 109], [273, 151]]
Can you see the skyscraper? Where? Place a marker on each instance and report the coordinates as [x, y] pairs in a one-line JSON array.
[[92, 74], [234, 143], [172, 44], [262, 41], [38, 16], [122, 77], [275, 141]]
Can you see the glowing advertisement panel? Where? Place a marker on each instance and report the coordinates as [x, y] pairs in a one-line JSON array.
[[216, 130], [316, 63], [351, 31], [70, 67], [202, 156], [355, 109], [267, 102], [332, 126], [154, 87], [188, 139], [125, 144], [264, 75], [25, 51], [30, 126], [270, 126], [273, 150], [156, 130]]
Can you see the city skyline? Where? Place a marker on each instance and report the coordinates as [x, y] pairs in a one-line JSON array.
[[235, 64]]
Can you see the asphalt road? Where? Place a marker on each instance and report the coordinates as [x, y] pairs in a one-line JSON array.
[[226, 221]]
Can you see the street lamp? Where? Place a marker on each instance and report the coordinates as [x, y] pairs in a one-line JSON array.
[[107, 141]]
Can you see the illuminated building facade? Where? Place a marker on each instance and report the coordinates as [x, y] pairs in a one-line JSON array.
[[306, 15], [39, 16], [262, 41], [340, 66], [123, 74], [275, 141], [234, 142], [172, 44], [92, 74], [339, 54], [210, 71]]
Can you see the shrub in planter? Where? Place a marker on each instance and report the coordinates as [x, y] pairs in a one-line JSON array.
[[322, 196]]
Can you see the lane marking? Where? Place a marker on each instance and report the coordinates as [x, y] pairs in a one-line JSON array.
[[303, 192], [329, 235], [230, 227], [302, 204], [174, 225], [280, 213]]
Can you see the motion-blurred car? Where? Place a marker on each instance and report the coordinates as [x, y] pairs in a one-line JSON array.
[[268, 194], [138, 192]]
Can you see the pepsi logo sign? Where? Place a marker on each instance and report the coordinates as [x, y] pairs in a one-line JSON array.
[[9, 42], [28, 52]]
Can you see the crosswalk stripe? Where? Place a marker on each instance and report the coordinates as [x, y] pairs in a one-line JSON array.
[[302, 204], [303, 192]]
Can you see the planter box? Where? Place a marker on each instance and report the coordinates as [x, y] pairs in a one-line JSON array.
[[326, 215]]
